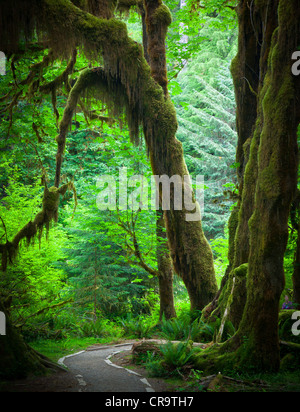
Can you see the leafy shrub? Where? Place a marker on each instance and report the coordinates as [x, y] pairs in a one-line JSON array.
[[140, 328], [169, 359], [177, 355], [100, 328], [154, 366], [184, 329], [91, 329], [174, 329]]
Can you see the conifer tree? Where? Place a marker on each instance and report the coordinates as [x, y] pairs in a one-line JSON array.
[[206, 116]]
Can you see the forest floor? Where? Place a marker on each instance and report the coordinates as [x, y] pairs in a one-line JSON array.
[[124, 359], [67, 381], [212, 383], [54, 382]]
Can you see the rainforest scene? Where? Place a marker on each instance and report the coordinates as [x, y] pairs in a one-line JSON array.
[[150, 197]]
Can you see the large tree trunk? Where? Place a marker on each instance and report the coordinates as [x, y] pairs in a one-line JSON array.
[[164, 261], [155, 22], [277, 165], [165, 270], [191, 253], [17, 359], [256, 27], [271, 179], [245, 70]]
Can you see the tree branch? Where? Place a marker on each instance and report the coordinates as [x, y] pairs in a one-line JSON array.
[[135, 250]]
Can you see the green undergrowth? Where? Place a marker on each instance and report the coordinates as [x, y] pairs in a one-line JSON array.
[[175, 363], [177, 360], [281, 382], [57, 349]]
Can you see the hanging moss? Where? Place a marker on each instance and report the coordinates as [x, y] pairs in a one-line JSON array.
[[43, 219]]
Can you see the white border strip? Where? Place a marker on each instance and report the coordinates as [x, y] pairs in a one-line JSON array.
[[61, 360]]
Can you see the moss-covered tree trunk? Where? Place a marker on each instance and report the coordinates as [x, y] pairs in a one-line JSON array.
[[164, 261], [165, 270], [156, 18], [190, 251], [277, 165], [256, 27], [270, 177], [245, 70]]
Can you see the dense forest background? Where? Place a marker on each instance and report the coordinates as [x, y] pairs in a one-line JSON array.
[[93, 276], [86, 260]]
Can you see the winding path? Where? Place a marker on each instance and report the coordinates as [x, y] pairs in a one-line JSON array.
[[96, 373]]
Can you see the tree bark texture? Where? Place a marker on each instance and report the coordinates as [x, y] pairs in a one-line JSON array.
[[165, 270], [245, 70], [274, 154]]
